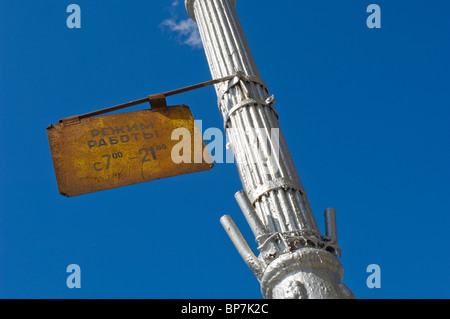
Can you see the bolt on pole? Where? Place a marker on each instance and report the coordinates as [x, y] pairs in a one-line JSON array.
[[295, 259]]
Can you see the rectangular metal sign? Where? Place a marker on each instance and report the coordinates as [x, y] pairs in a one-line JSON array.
[[104, 152]]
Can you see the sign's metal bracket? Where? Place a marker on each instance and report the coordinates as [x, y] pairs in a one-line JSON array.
[[155, 100], [70, 120]]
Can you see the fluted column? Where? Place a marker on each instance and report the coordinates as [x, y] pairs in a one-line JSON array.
[[273, 199]]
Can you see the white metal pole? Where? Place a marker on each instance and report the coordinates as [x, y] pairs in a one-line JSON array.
[[295, 260]]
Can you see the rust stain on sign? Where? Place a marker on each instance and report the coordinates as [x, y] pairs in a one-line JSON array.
[[104, 152]]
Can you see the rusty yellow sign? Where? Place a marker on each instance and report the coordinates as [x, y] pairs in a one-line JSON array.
[[104, 152]]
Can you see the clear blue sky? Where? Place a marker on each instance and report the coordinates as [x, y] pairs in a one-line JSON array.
[[365, 113]]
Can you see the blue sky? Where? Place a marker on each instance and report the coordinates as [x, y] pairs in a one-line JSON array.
[[365, 113]]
